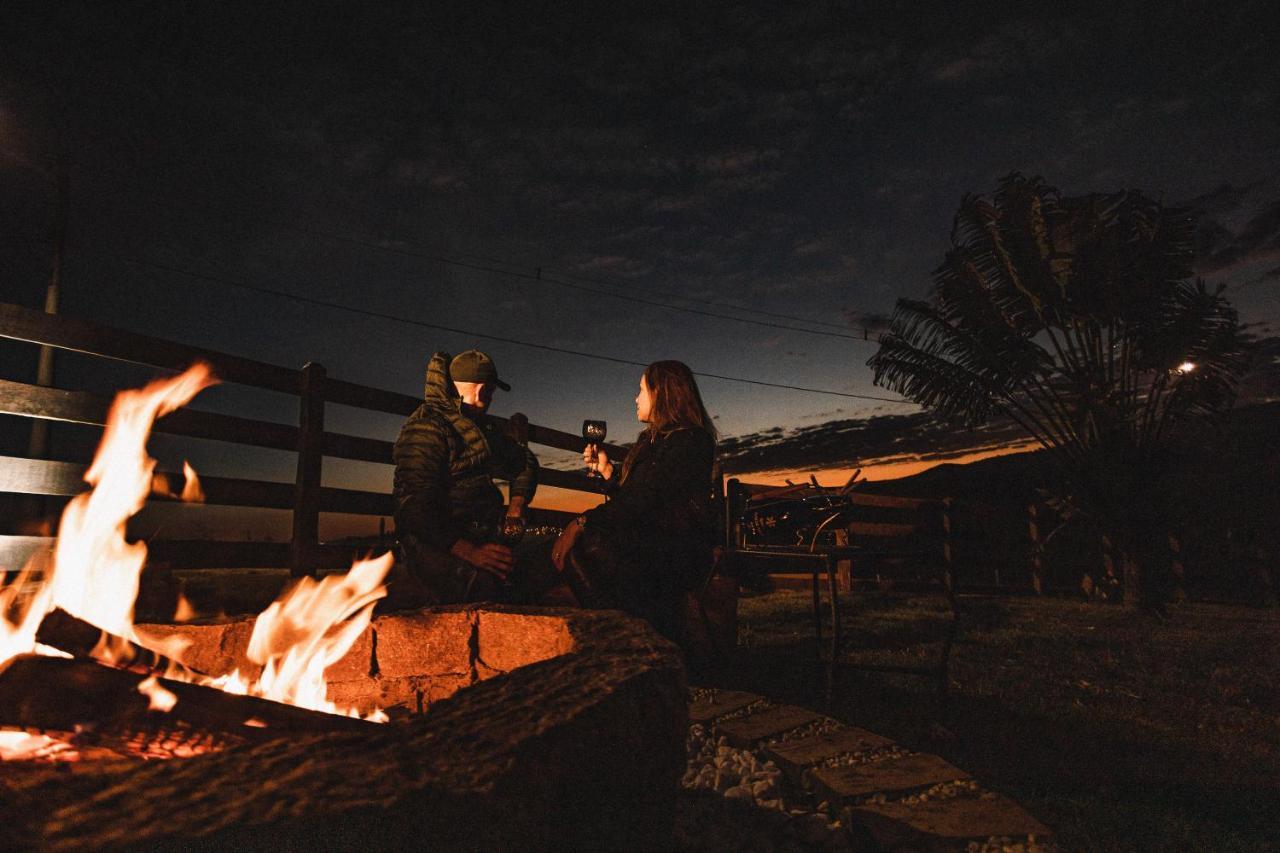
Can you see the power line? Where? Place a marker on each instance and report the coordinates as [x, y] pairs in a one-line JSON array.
[[467, 332], [559, 279], [538, 276]]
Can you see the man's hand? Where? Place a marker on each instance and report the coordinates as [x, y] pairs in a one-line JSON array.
[[493, 558], [560, 551], [515, 509]]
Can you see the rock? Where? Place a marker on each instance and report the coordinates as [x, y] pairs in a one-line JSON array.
[[427, 642]]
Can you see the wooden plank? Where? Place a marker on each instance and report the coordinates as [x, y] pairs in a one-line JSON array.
[[946, 824], [27, 324], [16, 551], [364, 397], [795, 756], [392, 402], [357, 447], [191, 553], [887, 501], [882, 530], [720, 703], [894, 775], [82, 407], [356, 502], [570, 480], [743, 732], [50, 477]]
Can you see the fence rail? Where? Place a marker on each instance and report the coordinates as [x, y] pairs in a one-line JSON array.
[[305, 497]]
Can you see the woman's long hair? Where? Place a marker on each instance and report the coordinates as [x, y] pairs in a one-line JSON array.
[[677, 404]]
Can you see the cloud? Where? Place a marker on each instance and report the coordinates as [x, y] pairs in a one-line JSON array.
[[1224, 249], [856, 441], [872, 322]]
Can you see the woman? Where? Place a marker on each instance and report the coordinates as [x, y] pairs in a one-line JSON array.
[[651, 542]]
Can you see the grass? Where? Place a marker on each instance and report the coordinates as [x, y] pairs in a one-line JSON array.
[[1118, 731]]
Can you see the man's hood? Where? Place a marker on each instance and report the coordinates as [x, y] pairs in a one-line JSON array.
[[438, 388]]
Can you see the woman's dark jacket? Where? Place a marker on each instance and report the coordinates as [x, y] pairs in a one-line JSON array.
[[445, 465], [652, 540]]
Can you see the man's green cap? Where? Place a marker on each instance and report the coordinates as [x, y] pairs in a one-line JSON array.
[[475, 366]]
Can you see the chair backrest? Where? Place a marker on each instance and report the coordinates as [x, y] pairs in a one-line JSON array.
[[891, 535]]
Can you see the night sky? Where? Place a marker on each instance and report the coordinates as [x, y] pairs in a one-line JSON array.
[[794, 166]]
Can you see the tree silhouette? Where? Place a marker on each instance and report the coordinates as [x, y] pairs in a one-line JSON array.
[[1079, 319]]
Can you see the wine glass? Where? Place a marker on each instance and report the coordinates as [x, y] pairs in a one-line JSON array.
[[511, 531], [594, 432]]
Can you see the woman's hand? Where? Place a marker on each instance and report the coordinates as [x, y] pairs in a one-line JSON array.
[[597, 460], [560, 551]]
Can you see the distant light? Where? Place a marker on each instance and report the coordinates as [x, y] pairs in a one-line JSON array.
[[1186, 367]]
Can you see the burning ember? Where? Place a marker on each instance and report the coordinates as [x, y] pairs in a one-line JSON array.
[[94, 577]]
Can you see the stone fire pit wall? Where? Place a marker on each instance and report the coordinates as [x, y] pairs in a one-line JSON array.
[[569, 735], [404, 661]]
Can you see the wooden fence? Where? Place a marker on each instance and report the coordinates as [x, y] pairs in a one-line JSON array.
[[305, 497]]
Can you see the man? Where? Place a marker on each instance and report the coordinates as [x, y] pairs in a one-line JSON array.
[[447, 507]]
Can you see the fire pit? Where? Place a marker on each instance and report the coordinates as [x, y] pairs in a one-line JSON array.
[[547, 728], [550, 728]]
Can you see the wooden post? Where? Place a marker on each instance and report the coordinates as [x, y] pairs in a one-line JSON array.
[[844, 568], [1177, 569], [306, 504], [518, 429], [1037, 550], [948, 564], [731, 496]]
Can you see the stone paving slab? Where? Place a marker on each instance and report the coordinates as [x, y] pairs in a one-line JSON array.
[[745, 731], [723, 702], [795, 756], [943, 823], [884, 777]]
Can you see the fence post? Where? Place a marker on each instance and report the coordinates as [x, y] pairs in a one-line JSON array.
[[306, 501], [948, 561], [1177, 568], [1037, 550], [731, 496]]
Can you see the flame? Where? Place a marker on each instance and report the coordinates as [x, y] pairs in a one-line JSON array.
[[23, 746], [162, 699], [308, 629], [191, 490], [185, 611], [94, 573]]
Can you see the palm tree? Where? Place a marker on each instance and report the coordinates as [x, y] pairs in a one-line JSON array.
[[1079, 319]]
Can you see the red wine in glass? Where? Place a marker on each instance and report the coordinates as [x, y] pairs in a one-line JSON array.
[[594, 432]]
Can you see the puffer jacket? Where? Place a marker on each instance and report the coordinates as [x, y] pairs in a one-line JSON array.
[[445, 465]]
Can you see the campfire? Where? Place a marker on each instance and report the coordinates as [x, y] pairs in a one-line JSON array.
[[76, 678], [557, 727]]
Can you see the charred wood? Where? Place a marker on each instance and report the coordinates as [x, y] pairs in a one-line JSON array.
[[78, 638], [61, 694]]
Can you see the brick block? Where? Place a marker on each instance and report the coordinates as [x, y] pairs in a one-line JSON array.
[[356, 663], [509, 641], [426, 642], [214, 648]]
